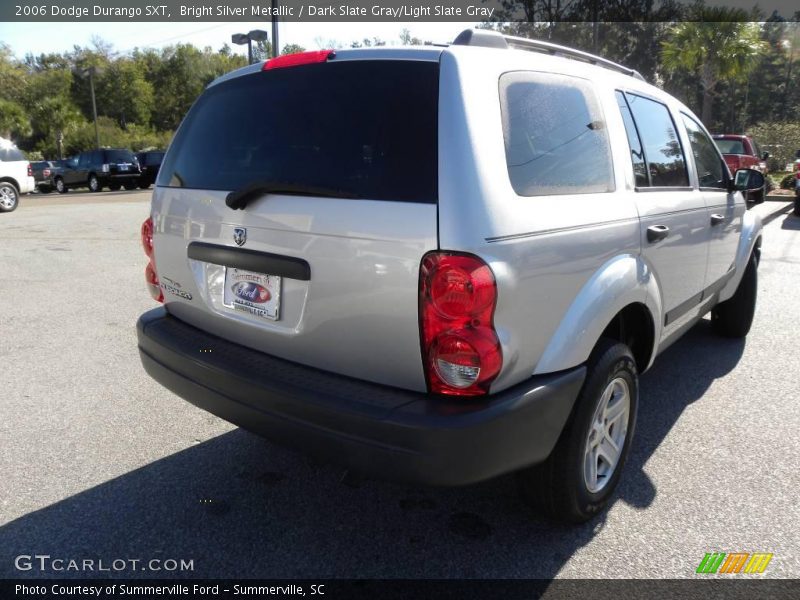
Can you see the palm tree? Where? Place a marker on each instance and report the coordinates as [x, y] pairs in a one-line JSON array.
[[720, 45]]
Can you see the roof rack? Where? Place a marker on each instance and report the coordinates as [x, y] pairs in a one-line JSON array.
[[493, 39]]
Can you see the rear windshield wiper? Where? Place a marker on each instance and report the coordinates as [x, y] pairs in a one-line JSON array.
[[240, 198]]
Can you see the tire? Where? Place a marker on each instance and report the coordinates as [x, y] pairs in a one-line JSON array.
[[734, 317], [144, 186], [114, 187], [60, 187], [9, 197], [130, 186], [797, 205], [562, 487], [94, 183]]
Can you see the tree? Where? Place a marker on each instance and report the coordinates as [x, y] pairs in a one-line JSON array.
[[368, 43], [406, 39], [12, 76], [292, 49], [721, 45], [55, 118], [13, 120], [124, 94]]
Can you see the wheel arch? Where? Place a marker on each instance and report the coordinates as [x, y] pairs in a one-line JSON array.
[[749, 244], [634, 327], [622, 300], [12, 181]]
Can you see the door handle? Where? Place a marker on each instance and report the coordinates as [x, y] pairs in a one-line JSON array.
[[657, 233], [717, 219]]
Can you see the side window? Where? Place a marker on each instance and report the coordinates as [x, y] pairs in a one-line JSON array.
[[555, 135], [707, 160], [83, 159], [637, 154], [662, 148]]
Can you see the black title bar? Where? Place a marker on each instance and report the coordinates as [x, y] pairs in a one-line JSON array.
[[405, 11]]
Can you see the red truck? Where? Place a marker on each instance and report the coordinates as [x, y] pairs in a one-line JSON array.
[[741, 152]]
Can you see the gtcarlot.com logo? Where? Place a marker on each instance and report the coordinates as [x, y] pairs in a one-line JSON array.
[[46, 563]]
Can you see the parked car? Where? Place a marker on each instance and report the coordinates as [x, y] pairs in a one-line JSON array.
[[110, 167], [16, 175], [742, 152], [43, 172], [467, 287], [150, 163]]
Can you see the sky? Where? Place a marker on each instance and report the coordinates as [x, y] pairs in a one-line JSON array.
[[40, 38]]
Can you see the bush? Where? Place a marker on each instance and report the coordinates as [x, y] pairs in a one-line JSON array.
[[781, 140], [788, 182]]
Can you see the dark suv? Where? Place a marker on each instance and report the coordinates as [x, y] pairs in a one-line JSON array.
[[110, 167], [150, 162]]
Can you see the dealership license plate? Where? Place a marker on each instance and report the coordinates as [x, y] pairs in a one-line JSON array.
[[254, 293]]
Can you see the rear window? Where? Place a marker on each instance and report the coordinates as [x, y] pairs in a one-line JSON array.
[[118, 156], [730, 146], [11, 154], [366, 128]]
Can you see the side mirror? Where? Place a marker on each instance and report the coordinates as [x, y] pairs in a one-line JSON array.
[[765, 156], [751, 183]]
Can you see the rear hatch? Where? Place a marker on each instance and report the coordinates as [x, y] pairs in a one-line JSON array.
[[320, 265]]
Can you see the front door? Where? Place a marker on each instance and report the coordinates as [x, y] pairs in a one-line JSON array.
[[724, 209]]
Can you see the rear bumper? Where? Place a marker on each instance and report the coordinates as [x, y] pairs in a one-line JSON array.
[[118, 177], [373, 429]]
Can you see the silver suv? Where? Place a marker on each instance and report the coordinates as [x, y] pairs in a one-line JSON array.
[[442, 264]]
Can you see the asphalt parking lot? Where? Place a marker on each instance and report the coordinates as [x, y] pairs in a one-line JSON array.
[[100, 462]]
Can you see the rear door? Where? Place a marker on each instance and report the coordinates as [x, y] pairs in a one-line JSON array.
[[324, 269], [672, 215], [80, 174]]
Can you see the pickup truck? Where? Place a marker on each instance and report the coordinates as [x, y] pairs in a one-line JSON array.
[[741, 152]]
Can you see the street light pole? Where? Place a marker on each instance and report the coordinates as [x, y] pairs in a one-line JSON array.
[[275, 46], [94, 107]]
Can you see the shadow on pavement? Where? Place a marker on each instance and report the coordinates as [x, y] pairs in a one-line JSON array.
[[791, 221], [240, 507]]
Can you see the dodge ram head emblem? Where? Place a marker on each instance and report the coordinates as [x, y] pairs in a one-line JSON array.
[[240, 236]]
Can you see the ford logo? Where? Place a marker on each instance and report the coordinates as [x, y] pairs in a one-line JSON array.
[[252, 292]]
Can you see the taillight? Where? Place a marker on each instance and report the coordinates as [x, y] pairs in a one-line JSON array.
[[30, 170], [460, 348], [300, 58], [150, 273], [147, 237]]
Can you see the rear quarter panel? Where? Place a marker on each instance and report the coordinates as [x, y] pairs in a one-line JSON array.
[[564, 264]]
